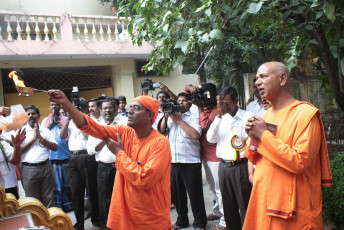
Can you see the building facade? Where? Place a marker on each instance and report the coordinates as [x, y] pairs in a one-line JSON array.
[[61, 44]]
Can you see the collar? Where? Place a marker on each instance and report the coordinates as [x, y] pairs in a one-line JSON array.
[[28, 127], [239, 114]]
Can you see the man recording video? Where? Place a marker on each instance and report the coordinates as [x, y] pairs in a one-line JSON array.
[[206, 103], [184, 132]]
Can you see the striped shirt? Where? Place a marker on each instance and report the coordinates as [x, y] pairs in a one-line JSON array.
[[183, 148]]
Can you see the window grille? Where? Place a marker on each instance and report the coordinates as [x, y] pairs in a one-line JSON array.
[[94, 77]]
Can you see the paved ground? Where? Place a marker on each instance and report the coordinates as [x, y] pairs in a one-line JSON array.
[[208, 199]]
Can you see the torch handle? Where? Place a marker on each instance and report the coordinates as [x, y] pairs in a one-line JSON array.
[[40, 90]]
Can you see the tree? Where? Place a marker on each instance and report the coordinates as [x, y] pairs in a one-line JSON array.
[[180, 29]]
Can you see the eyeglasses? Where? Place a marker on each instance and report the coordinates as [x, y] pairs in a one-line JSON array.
[[136, 108]]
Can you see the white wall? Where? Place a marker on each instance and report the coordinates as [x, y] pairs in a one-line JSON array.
[[75, 7]]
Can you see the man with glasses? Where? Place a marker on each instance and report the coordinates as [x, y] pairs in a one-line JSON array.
[[228, 131], [141, 194]]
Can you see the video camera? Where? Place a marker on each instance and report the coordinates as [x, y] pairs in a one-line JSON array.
[[148, 84], [199, 95], [171, 106]]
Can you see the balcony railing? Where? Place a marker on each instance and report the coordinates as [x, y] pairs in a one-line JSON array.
[[23, 26]]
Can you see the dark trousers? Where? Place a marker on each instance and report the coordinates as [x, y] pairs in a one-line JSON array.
[[83, 174], [105, 177], [13, 190], [236, 190], [187, 178]]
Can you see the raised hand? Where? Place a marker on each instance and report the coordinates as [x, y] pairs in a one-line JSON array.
[[5, 110], [18, 139], [255, 126], [37, 133], [57, 96], [114, 146]]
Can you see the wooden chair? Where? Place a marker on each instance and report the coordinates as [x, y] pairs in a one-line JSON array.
[[53, 218]]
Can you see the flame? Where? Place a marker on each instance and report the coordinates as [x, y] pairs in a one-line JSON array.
[[18, 81]]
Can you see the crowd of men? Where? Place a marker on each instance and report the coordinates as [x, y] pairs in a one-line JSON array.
[[265, 165]]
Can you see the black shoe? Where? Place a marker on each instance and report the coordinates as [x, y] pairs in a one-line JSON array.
[[78, 227], [177, 227]]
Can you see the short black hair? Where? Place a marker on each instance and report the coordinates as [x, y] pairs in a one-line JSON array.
[[98, 102], [164, 92], [32, 107], [211, 88], [113, 100], [92, 100], [122, 98], [231, 91], [182, 94], [102, 97]]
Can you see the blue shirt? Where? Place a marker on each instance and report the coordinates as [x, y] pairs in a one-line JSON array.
[[62, 152], [125, 114]]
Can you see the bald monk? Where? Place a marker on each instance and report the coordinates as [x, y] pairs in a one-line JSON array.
[[141, 194], [293, 164]]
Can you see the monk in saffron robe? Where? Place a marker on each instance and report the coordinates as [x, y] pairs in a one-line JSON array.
[[291, 158], [141, 194]]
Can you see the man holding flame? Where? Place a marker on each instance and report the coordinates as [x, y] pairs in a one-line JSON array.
[[141, 196]]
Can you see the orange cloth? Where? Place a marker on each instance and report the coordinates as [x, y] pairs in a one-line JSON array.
[[141, 194], [150, 104], [290, 169]]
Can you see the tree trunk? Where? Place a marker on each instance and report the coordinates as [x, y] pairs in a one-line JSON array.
[[330, 66], [201, 71]]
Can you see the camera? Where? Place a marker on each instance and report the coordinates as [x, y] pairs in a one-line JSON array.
[[148, 84], [76, 98], [171, 106], [199, 95]]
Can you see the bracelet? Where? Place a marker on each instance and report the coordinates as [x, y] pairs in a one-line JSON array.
[[41, 142]]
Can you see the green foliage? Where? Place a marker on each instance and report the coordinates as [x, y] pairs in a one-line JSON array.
[[179, 29], [333, 202]]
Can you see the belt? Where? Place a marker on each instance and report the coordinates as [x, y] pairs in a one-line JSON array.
[[78, 152], [232, 163], [35, 164], [108, 164]]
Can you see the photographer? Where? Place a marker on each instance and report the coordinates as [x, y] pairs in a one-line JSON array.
[[186, 175], [206, 104], [82, 169], [162, 98]]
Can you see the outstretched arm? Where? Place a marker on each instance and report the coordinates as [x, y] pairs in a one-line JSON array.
[[57, 96]]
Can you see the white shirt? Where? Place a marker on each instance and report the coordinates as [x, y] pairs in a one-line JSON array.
[[36, 154], [76, 138], [255, 108], [223, 129], [11, 179], [158, 118], [183, 148], [99, 118], [104, 155], [4, 169]]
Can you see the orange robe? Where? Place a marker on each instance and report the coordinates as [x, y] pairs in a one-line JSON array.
[[141, 194], [290, 169]]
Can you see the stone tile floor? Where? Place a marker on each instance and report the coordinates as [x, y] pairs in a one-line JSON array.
[[208, 200]]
